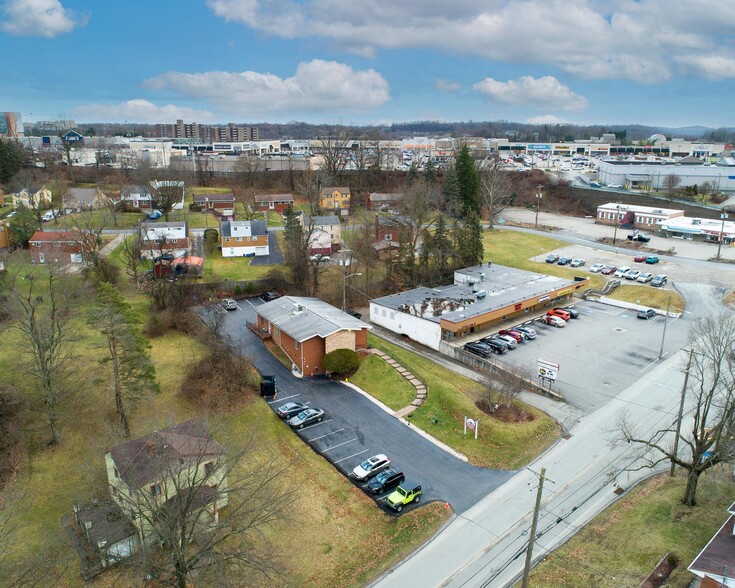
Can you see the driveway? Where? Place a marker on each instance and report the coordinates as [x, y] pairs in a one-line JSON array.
[[355, 428], [274, 257]]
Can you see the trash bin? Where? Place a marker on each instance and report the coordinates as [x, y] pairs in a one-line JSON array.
[[268, 386]]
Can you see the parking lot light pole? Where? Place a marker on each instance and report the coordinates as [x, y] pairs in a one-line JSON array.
[[723, 216], [539, 195], [344, 288]]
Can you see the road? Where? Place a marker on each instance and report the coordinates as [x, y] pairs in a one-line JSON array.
[[485, 546]]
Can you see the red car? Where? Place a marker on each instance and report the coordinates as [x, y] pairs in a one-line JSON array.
[[640, 259], [561, 313], [511, 333], [609, 270]]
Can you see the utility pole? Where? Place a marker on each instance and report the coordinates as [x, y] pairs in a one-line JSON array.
[[666, 322], [723, 216], [538, 204], [681, 413], [617, 222], [534, 524]]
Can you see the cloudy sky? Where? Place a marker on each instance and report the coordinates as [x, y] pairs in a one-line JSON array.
[[658, 62]]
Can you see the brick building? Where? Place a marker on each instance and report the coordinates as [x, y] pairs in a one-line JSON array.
[[243, 238], [306, 329], [222, 204], [57, 247], [277, 202]]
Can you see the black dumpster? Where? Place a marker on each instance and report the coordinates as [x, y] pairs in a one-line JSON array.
[[268, 386]]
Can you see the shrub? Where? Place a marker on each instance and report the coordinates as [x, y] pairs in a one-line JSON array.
[[238, 290], [249, 288], [195, 207], [341, 361]]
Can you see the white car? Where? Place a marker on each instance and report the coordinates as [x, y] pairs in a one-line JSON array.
[[371, 467], [644, 278], [577, 262], [614, 186], [318, 258], [632, 274], [621, 271], [596, 268], [229, 304]]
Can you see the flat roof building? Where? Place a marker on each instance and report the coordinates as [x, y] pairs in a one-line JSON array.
[[632, 215], [480, 297]]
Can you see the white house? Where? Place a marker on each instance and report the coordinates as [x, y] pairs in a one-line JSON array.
[[244, 238], [164, 239]]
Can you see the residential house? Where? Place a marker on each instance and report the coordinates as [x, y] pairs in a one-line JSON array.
[[178, 187], [169, 239], [61, 247], [336, 199], [137, 197], [78, 199], [324, 233], [277, 202], [243, 238], [148, 475], [306, 329], [376, 201], [716, 562], [220, 204], [37, 198], [7, 239]]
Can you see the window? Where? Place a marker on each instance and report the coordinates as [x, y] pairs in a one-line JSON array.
[[239, 239], [296, 344], [384, 312], [208, 468], [611, 215], [639, 219], [392, 315], [388, 237], [602, 215], [156, 489]]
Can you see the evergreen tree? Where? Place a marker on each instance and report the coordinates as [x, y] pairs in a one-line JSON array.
[[450, 192], [133, 372], [413, 174], [469, 182], [441, 249], [475, 247], [295, 250], [11, 160], [430, 172]]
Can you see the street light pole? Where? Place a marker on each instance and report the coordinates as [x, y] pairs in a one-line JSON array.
[[723, 216], [666, 322], [344, 288], [539, 195]]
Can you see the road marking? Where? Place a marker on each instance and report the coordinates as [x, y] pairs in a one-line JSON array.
[[315, 425], [325, 435], [339, 445], [353, 455], [284, 398]]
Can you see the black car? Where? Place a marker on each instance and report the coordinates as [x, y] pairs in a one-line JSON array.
[[290, 409], [385, 480], [479, 348], [573, 312], [268, 296], [552, 258], [497, 345], [564, 261], [639, 238], [659, 280], [646, 314]]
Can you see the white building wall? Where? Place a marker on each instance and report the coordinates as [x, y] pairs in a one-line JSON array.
[[154, 233], [421, 330], [244, 251]]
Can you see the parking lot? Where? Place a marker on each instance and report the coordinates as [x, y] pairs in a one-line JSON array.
[[354, 428], [599, 354]]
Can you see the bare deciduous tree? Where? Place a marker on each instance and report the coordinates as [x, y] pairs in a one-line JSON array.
[[495, 189], [334, 151], [310, 186], [248, 169], [43, 314], [166, 195], [671, 185], [708, 426], [132, 247]]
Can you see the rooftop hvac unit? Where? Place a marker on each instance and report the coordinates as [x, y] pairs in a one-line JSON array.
[[696, 221], [482, 276]]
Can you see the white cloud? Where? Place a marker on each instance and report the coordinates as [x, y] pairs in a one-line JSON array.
[[713, 67], [446, 85], [317, 85], [38, 18], [546, 92], [546, 119], [642, 40], [140, 110]]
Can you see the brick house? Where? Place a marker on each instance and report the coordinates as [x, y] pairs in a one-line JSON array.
[[376, 201], [164, 239], [717, 557], [325, 233], [633, 216], [336, 199], [61, 247], [243, 238], [306, 329], [222, 204], [136, 196], [277, 202]]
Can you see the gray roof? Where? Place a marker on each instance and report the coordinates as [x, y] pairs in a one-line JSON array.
[[381, 197], [82, 194], [274, 198], [106, 521], [257, 227], [331, 219], [228, 197], [502, 285], [148, 459], [164, 225], [317, 319]]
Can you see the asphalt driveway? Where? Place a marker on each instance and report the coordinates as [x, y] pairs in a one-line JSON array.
[[355, 428], [274, 257]]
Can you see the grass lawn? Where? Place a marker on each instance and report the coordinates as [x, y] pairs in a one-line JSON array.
[[649, 296], [217, 268], [451, 397], [380, 380], [622, 545], [97, 218]]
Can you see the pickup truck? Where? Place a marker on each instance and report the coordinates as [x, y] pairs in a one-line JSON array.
[[640, 238]]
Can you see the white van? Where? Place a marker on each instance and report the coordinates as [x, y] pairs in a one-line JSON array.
[[50, 215]]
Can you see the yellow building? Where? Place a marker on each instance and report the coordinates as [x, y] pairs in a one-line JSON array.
[[6, 235], [337, 199]]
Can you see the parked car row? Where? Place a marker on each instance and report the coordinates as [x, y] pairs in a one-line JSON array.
[[558, 317], [501, 341], [570, 261], [298, 415]]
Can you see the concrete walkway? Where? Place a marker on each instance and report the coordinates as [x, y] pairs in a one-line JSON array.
[[110, 247], [413, 380]]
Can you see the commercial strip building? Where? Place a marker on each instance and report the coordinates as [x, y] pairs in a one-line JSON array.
[[480, 297], [306, 329], [645, 175], [699, 229], [632, 215]]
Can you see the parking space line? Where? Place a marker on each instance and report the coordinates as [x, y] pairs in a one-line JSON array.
[[325, 435], [315, 425], [353, 455], [282, 399], [339, 445]]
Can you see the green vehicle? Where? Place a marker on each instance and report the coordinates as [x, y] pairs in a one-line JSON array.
[[652, 259], [406, 493]]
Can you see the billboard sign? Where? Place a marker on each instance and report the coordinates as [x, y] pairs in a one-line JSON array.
[[547, 369]]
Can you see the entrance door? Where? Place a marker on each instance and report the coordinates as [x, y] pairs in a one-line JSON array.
[[41, 258]]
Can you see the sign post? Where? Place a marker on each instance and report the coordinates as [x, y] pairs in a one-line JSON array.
[[547, 371], [472, 425]]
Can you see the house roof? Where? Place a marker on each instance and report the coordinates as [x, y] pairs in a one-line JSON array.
[[168, 225], [329, 190], [146, 459], [257, 227], [106, 521], [229, 197], [331, 219], [378, 197], [82, 194], [130, 189], [317, 319], [718, 556], [274, 198], [51, 236]]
